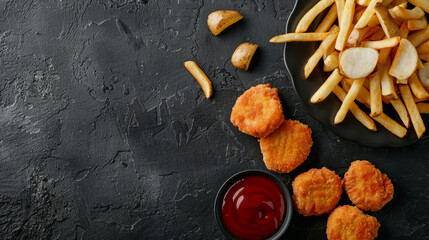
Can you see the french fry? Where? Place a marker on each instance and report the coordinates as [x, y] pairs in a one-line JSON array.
[[299, 37], [407, 14], [387, 86], [367, 15], [423, 108], [308, 18], [327, 87], [357, 35], [386, 43], [315, 58], [201, 77], [419, 37], [360, 115], [424, 57], [406, 53], [424, 75], [398, 2], [423, 48], [351, 96], [363, 2], [401, 81], [403, 30], [331, 62], [358, 14], [423, 4], [389, 26], [329, 19], [375, 91], [340, 9], [379, 35], [399, 106], [416, 119], [346, 21], [416, 86], [374, 21], [417, 24], [386, 2], [363, 96], [384, 55], [420, 64], [391, 125]]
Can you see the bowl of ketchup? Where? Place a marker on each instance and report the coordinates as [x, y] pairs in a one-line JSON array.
[[253, 204]]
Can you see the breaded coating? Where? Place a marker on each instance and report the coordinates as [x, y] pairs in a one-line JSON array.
[[350, 223], [287, 147], [258, 112], [367, 187], [316, 191]]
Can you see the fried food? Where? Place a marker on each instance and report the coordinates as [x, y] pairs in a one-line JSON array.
[[316, 191], [367, 187], [258, 112], [287, 147], [350, 223]]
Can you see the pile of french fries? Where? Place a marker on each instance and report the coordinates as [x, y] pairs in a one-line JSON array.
[[375, 51]]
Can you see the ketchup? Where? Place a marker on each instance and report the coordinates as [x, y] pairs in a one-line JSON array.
[[253, 208]]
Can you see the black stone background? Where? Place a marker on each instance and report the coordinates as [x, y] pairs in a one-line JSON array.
[[105, 135]]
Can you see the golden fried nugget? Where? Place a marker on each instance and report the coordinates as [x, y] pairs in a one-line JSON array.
[[316, 191], [367, 187], [350, 223], [258, 112], [287, 147]]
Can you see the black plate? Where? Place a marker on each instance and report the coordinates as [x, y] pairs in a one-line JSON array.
[[296, 55]]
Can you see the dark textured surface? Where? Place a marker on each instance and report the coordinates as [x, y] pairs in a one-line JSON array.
[[105, 135]]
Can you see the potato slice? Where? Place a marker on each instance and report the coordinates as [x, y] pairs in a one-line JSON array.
[[243, 55], [405, 62], [424, 75], [386, 43], [358, 62], [389, 26], [201, 77], [220, 20], [308, 18]]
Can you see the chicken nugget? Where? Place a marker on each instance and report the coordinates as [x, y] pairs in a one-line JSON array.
[[367, 187], [287, 147], [350, 223], [258, 112], [316, 191]]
